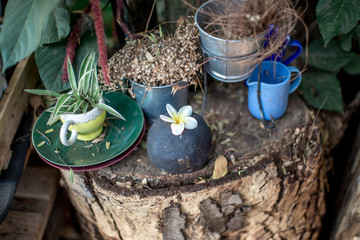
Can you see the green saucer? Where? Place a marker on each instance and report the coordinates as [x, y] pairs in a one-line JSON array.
[[119, 136]]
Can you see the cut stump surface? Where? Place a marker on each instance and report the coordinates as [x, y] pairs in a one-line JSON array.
[[273, 188]]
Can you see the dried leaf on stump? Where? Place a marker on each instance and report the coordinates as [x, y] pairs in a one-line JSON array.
[[220, 168]]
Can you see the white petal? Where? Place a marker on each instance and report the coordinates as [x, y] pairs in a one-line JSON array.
[[184, 112], [190, 122], [167, 119], [172, 111], [177, 128]]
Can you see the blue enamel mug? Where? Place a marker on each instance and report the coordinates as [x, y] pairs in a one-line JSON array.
[[275, 87], [287, 44]]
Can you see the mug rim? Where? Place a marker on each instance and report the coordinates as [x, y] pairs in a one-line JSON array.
[[249, 80]]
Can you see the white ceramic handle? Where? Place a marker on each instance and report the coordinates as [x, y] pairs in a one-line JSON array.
[[63, 130]]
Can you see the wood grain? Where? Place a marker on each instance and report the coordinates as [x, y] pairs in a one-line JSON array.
[[13, 105], [31, 208]]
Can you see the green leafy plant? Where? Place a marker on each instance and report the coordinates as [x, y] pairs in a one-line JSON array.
[[55, 30], [333, 54], [84, 95]]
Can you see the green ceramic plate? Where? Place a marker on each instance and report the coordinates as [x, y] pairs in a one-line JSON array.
[[120, 135]]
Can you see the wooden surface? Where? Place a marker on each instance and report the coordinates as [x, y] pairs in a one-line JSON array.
[[347, 224], [30, 210], [13, 105], [274, 187]]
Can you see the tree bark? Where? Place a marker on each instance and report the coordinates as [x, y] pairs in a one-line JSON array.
[[274, 187], [347, 225]]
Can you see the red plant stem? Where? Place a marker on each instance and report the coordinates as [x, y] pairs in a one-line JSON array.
[[71, 47], [100, 35], [120, 21]]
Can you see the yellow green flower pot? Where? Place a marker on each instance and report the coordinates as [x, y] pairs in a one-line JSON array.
[[84, 127]]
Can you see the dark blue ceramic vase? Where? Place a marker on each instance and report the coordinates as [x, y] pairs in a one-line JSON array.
[[184, 153]]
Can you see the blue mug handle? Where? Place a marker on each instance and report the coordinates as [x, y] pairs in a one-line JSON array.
[[296, 82], [293, 43]]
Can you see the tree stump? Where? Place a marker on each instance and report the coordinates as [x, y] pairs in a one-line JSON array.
[[347, 224], [273, 189]]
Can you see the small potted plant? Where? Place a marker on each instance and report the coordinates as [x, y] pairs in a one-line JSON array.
[[82, 110], [159, 68]]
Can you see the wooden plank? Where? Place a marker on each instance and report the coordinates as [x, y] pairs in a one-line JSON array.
[[20, 224], [38, 183], [17, 237], [32, 205], [27, 204], [60, 215], [13, 104]]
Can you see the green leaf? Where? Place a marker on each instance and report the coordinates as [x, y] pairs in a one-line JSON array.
[[43, 92], [319, 86], [52, 120], [71, 174], [85, 107], [57, 25], [85, 74], [84, 83], [72, 79], [60, 103], [78, 105], [346, 41], [353, 67], [21, 31], [49, 60], [91, 101], [331, 58], [110, 110], [94, 85], [336, 17]]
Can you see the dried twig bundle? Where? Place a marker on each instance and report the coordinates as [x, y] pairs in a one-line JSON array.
[[158, 60]]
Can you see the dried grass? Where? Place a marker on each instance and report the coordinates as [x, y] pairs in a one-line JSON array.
[[250, 19], [158, 60]]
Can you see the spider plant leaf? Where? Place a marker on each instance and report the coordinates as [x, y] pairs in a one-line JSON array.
[[43, 92], [110, 110], [71, 107], [52, 120], [91, 101], [84, 83], [72, 79], [94, 86], [51, 109], [86, 69], [78, 105], [63, 99], [85, 107]]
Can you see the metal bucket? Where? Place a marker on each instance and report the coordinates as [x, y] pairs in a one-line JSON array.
[[231, 69], [153, 101], [225, 57]]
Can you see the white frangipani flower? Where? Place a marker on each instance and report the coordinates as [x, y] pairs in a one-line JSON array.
[[179, 120]]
